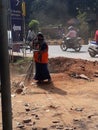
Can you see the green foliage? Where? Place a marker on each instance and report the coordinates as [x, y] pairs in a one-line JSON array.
[[83, 25], [47, 11], [34, 24], [82, 20], [56, 12], [23, 60]]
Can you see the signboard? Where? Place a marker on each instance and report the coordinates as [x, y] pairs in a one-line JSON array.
[[17, 33], [16, 20]]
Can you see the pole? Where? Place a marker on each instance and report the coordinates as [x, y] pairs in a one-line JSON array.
[[9, 27], [24, 35], [4, 68]]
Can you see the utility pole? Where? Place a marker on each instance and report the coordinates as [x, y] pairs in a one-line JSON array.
[[23, 15], [4, 68]]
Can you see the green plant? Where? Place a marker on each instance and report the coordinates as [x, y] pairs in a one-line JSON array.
[[34, 24], [83, 25]]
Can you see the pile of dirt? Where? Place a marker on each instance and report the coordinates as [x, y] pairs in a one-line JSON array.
[[62, 65], [69, 66]]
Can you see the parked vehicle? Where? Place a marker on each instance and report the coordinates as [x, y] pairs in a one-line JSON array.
[[74, 43], [93, 48]]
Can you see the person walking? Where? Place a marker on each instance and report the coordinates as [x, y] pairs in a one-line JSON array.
[[30, 37], [41, 59]]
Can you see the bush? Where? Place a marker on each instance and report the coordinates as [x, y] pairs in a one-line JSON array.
[[34, 24]]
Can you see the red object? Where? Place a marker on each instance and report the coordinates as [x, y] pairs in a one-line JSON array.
[[41, 56], [96, 36]]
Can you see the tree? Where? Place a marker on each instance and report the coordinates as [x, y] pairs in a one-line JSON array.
[[48, 11], [83, 25], [56, 12]]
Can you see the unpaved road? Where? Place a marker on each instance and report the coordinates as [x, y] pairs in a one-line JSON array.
[[68, 103]]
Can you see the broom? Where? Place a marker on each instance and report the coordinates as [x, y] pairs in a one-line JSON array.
[[28, 76], [30, 70], [29, 73]]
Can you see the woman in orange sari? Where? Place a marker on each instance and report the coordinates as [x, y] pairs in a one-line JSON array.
[[41, 60]]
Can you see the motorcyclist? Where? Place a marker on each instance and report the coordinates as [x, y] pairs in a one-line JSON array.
[[72, 34]]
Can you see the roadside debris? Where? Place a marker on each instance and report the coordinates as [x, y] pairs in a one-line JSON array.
[[96, 74], [80, 76], [78, 109]]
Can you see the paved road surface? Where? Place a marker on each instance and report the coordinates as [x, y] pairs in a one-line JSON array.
[[55, 51]]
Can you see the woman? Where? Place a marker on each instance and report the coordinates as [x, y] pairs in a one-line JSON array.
[[41, 59]]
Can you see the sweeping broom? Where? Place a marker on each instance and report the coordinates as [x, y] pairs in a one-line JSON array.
[[28, 76], [29, 73], [30, 70]]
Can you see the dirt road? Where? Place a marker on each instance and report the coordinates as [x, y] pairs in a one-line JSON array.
[[61, 105], [68, 103]]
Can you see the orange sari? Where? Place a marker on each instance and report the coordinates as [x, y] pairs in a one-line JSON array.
[[41, 56]]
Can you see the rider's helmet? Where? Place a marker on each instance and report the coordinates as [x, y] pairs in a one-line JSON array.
[[70, 28], [40, 36]]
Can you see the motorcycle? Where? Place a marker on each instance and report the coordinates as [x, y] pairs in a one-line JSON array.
[[74, 43], [93, 49]]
